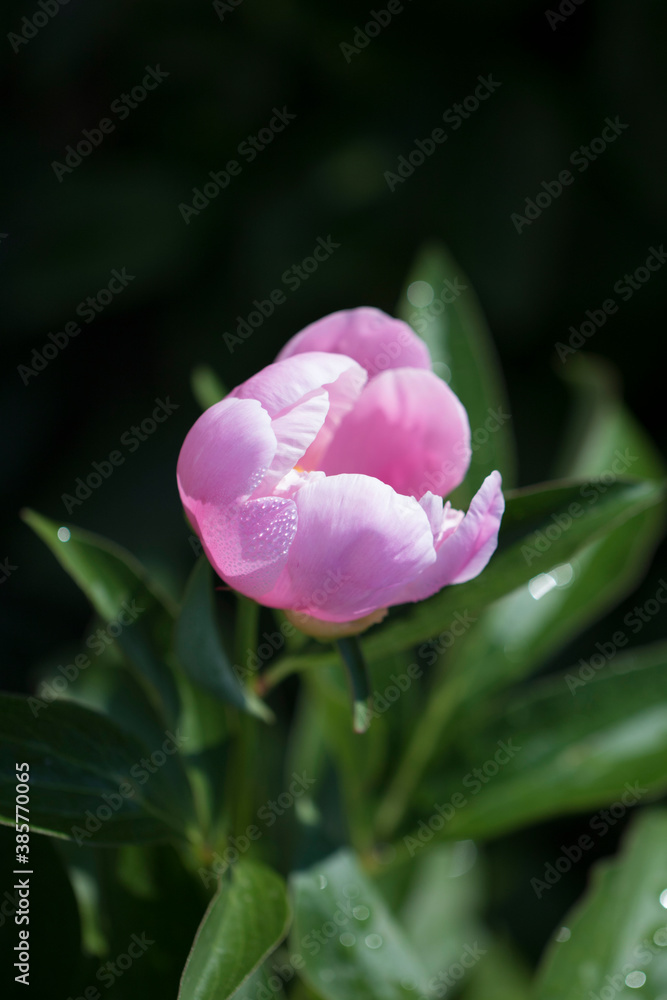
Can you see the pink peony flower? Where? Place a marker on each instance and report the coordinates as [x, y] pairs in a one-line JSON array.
[[316, 486]]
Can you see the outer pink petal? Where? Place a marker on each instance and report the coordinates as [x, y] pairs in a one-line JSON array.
[[409, 430], [357, 546], [226, 454], [463, 553], [224, 457], [282, 385], [374, 339]]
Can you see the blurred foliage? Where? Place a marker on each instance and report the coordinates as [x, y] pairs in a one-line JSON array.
[[160, 340]]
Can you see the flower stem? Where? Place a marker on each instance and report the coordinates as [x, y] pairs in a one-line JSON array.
[[352, 657]]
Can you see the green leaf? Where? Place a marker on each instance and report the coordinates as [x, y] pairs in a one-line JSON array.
[[90, 780], [441, 912], [522, 630], [525, 550], [580, 745], [206, 386], [116, 585], [458, 337], [618, 928], [201, 649], [246, 920], [347, 938]]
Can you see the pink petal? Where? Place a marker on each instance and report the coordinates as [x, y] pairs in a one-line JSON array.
[[462, 553], [226, 454], [282, 385], [409, 430], [357, 546], [224, 457], [248, 544], [374, 339]]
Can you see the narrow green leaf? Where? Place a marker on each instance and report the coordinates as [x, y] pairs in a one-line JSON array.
[[246, 920], [119, 589], [573, 746], [461, 346], [618, 932], [349, 941], [202, 650], [522, 630], [206, 386], [91, 781]]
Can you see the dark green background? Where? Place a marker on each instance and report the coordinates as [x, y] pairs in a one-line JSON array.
[[323, 175]]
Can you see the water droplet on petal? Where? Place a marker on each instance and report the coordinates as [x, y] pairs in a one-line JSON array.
[[660, 937], [564, 934], [322, 881], [373, 941], [64, 534], [347, 939], [635, 979], [361, 912], [663, 898]]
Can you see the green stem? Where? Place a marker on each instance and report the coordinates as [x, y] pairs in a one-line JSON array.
[[352, 657], [245, 744], [285, 667], [439, 710]]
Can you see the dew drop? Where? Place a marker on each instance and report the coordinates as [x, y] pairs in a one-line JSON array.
[[420, 294], [347, 939], [408, 984], [635, 979], [663, 898], [351, 891], [361, 912], [373, 941], [322, 881], [564, 934], [64, 534], [660, 937]]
